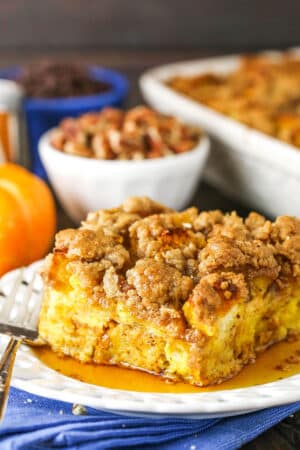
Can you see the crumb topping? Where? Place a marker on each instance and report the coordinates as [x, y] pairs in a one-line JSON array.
[[157, 260], [214, 294], [157, 282], [263, 93]]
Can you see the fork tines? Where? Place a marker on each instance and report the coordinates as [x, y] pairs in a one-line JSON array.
[[20, 308]]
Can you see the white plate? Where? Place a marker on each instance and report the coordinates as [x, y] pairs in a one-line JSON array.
[[31, 375], [258, 169]]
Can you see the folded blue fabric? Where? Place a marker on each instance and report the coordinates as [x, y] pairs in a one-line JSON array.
[[33, 423]]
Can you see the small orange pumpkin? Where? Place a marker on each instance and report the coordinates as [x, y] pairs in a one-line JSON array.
[[27, 217]]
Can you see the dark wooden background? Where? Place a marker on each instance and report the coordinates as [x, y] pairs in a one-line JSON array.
[[226, 24]]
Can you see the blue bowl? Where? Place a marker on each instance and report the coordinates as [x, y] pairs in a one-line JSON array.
[[43, 114]]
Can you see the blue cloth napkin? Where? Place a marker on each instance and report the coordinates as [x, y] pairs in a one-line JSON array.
[[37, 423]]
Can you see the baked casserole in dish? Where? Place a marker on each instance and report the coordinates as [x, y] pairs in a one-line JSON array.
[[249, 108], [185, 295], [263, 93]]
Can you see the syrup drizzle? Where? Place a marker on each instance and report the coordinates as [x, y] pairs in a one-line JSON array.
[[280, 361]]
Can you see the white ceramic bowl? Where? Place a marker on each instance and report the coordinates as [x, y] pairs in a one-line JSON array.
[[84, 184]]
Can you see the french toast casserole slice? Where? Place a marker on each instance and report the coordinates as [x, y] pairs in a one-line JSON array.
[[186, 295]]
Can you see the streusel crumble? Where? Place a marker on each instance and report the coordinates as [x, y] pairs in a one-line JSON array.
[[263, 93]]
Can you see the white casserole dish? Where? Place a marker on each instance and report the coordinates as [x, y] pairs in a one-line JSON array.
[[259, 170]]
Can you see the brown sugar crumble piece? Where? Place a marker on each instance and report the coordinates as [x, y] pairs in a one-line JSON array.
[[190, 295]]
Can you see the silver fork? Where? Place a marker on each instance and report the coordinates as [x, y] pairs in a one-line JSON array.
[[19, 313]]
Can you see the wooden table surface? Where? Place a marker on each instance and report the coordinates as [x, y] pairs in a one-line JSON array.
[[286, 435]]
